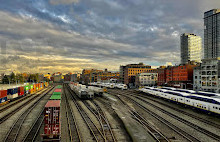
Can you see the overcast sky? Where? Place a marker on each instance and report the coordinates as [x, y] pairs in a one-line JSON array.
[[70, 35]]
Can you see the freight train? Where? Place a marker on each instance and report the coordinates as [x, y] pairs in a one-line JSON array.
[[17, 92], [81, 91], [52, 125], [208, 102]]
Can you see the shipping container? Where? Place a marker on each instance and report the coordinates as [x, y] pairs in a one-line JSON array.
[[3, 93], [51, 133], [20, 91], [52, 129], [56, 93], [12, 93], [59, 86], [35, 87], [55, 97], [52, 112], [57, 90], [3, 100], [26, 89]]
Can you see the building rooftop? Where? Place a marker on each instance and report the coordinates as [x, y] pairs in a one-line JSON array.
[[211, 12]]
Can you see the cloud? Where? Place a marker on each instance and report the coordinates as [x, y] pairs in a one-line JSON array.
[[96, 34], [65, 2]]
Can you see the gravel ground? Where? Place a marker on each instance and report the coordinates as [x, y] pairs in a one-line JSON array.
[[188, 129], [5, 126], [116, 124], [84, 131], [91, 115], [64, 124]]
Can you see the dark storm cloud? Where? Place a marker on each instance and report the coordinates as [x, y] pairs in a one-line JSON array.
[[98, 33]]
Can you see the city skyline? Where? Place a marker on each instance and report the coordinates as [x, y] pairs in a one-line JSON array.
[[70, 35]]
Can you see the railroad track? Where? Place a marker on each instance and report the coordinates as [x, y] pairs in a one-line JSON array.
[[178, 130], [14, 130], [181, 111], [176, 109], [72, 126], [107, 128], [5, 117], [158, 136], [101, 117], [34, 131], [97, 134]]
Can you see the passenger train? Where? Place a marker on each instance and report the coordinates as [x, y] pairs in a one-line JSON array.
[[81, 91], [110, 85], [205, 101]]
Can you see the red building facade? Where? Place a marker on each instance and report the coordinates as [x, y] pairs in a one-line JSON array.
[[161, 76], [177, 76]]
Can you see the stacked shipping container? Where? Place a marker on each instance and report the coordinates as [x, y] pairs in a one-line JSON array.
[[52, 116], [14, 93]]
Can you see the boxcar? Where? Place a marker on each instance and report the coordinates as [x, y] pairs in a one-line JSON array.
[[52, 121]]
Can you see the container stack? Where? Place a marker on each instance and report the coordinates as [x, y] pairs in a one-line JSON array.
[[52, 116], [56, 94]]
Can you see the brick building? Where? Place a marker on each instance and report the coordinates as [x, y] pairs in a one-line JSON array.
[[129, 72], [177, 76], [161, 75]]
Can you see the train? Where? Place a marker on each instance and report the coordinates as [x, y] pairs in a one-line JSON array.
[[204, 101], [97, 90], [52, 125], [110, 85], [14, 93], [81, 91]]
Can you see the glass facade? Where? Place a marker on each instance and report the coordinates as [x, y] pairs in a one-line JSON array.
[[212, 34]]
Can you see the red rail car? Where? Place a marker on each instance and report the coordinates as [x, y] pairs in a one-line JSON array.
[[52, 121]]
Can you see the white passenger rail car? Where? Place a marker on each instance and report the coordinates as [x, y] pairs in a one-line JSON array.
[[81, 91], [209, 102]]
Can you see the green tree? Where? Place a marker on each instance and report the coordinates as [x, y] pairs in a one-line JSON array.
[[37, 77], [5, 79], [12, 78], [20, 78]]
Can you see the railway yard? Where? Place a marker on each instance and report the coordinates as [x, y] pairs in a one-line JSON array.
[[116, 115]]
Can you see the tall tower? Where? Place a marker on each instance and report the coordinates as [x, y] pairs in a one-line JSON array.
[[212, 34], [191, 48]]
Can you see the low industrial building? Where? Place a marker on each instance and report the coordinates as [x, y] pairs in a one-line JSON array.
[[210, 75], [146, 79]]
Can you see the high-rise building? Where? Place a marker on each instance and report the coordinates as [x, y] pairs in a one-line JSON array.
[[191, 48], [212, 34], [210, 67]]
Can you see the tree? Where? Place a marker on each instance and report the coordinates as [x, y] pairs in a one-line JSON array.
[[20, 78], [5, 80], [12, 78]]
